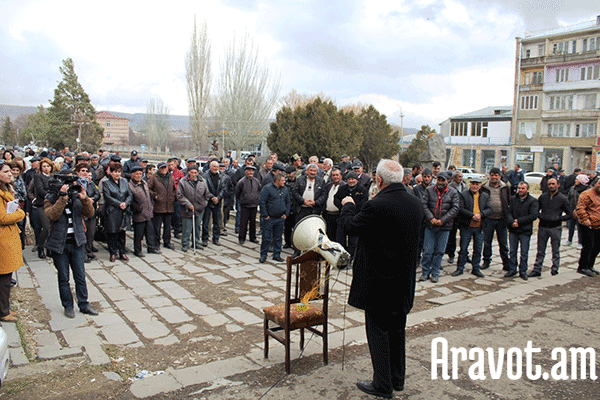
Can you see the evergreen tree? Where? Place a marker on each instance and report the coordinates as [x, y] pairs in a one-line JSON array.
[[379, 141], [38, 127], [417, 146], [72, 115], [9, 133]]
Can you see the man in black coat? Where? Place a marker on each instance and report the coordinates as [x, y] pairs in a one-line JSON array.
[[384, 273], [308, 195], [522, 211]]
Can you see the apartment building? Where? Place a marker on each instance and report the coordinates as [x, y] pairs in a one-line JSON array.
[[116, 129], [556, 105]]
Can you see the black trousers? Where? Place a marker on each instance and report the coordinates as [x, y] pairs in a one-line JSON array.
[[591, 247], [331, 221], [162, 220], [139, 230], [387, 345], [290, 222], [451, 245], [5, 294], [90, 232], [116, 242], [176, 218], [248, 217]]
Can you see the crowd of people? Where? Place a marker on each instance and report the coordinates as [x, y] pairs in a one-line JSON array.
[[100, 196]]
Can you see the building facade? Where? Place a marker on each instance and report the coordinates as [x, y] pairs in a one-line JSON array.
[[556, 98], [116, 129], [479, 139]]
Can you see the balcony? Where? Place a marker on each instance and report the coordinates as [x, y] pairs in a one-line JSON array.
[[477, 140], [572, 57], [552, 115], [531, 62]]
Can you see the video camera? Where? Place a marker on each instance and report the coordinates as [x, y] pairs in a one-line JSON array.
[[61, 179]]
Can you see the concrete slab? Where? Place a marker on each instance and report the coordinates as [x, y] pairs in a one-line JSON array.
[[138, 315], [119, 334], [152, 329], [448, 299], [242, 316], [214, 279], [17, 356], [173, 314], [196, 307], [192, 375], [215, 319], [154, 385]]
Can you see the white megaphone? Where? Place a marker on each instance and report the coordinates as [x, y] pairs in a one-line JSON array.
[[309, 234]]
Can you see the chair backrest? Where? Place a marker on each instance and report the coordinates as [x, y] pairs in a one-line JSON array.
[[310, 270]]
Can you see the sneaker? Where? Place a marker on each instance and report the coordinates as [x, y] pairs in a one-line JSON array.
[[594, 271], [69, 312], [586, 272]]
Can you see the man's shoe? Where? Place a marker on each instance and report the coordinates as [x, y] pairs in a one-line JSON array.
[[216, 243], [237, 231], [184, 249], [398, 387], [524, 276], [278, 259], [223, 233], [435, 279], [91, 256], [139, 254], [262, 260], [510, 274], [423, 278], [87, 260], [13, 282], [254, 240], [241, 241], [450, 259], [126, 250], [287, 246], [41, 254], [533, 274], [586, 272], [367, 387], [204, 244], [457, 273], [478, 274], [505, 268], [124, 257], [9, 318], [176, 235], [169, 246], [554, 272], [95, 250], [153, 251], [113, 258], [485, 265], [89, 310], [594, 271], [69, 312]]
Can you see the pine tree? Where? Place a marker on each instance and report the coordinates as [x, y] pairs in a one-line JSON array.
[[417, 146], [379, 140], [72, 115], [9, 133]]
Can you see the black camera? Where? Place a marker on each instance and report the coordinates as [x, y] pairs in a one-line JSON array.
[[68, 179]]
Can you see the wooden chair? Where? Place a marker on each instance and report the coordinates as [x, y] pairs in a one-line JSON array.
[[300, 280]]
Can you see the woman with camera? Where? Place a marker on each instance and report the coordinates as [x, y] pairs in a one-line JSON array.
[[11, 256], [40, 222], [65, 206], [117, 198]]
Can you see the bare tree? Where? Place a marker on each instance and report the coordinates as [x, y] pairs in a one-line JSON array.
[[294, 99], [198, 76], [156, 123], [248, 92]]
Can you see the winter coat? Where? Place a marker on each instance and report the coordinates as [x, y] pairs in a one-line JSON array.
[[11, 255], [40, 183], [300, 187], [274, 201], [164, 196], [218, 191], [142, 205], [188, 195], [524, 211], [446, 211], [358, 193], [114, 194], [54, 206]]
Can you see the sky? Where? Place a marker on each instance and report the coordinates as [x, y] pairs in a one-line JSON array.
[[425, 60]]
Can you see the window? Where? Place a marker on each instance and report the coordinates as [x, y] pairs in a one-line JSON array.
[[458, 129], [527, 53], [590, 72], [108, 124], [561, 102], [541, 50], [559, 130], [479, 129], [469, 157], [562, 47], [562, 75], [529, 102], [528, 128], [589, 101], [537, 78], [573, 46], [585, 130], [584, 45]]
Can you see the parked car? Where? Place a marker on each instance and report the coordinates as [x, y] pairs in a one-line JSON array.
[[4, 360], [534, 177], [469, 173]]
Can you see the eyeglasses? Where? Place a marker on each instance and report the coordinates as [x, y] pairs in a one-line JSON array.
[[84, 170]]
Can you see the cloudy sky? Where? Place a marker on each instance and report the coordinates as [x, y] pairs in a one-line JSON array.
[[431, 59]]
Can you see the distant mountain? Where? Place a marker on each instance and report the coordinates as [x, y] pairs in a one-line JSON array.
[[14, 111]]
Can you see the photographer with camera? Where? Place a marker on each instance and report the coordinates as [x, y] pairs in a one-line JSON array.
[[65, 205], [117, 199]]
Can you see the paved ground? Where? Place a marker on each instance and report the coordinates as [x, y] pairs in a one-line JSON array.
[[196, 321]]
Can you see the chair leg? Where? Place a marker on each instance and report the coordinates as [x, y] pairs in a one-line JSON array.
[[287, 351], [265, 329], [325, 358], [301, 338]]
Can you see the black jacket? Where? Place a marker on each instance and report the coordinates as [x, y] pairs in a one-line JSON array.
[[467, 205], [218, 191], [115, 193], [358, 193], [274, 201], [524, 211], [248, 192], [387, 250], [446, 211], [300, 186], [553, 209], [54, 206]]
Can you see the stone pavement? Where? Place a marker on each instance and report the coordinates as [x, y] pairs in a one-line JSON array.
[[170, 299]]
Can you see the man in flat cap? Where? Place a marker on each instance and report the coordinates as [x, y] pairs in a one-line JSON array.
[[134, 161]]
